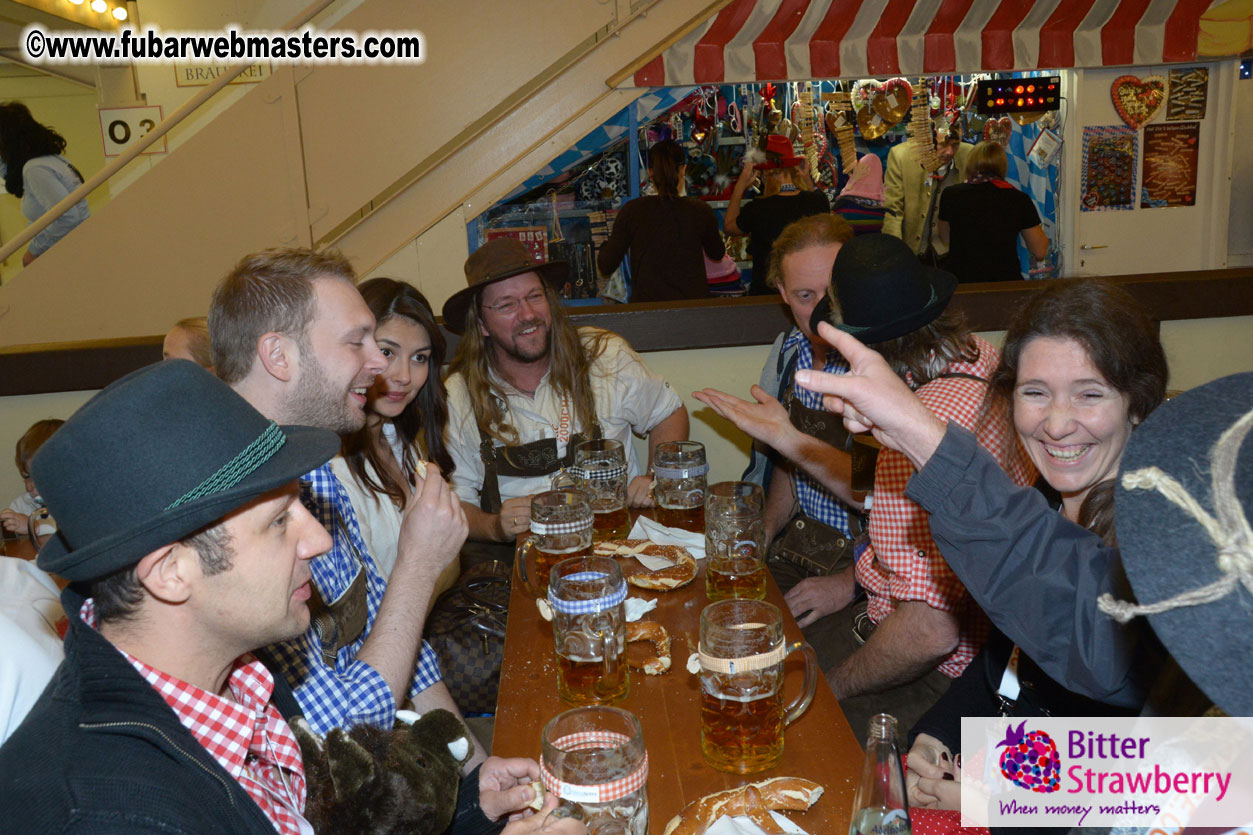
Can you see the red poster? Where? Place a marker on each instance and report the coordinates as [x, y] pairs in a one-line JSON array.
[[1170, 162], [535, 238]]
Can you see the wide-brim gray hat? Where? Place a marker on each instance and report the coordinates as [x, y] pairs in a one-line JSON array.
[[153, 458], [1197, 445], [496, 260]]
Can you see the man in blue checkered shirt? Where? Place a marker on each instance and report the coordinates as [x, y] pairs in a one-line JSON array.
[[292, 335], [809, 475]]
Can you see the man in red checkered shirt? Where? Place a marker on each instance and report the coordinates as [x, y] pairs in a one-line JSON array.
[[917, 628]]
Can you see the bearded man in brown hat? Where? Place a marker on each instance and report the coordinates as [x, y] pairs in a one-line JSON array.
[[524, 376]]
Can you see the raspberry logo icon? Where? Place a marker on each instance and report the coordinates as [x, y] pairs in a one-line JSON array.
[[1030, 760]]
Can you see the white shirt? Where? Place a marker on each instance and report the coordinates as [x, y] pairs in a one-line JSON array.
[[628, 396], [30, 607], [25, 504]]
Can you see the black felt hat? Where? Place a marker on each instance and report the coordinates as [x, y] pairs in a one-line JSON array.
[[1180, 449], [154, 457], [883, 290], [496, 260]]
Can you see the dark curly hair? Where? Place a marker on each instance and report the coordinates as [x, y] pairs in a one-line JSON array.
[[21, 140], [426, 415]]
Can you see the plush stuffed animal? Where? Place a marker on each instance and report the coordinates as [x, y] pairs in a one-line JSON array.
[[372, 781]]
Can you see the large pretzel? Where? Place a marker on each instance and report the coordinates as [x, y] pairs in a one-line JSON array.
[[754, 801], [680, 574], [656, 634]]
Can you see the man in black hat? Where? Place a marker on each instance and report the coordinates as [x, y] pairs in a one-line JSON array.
[[182, 533], [526, 386], [897, 651], [292, 335]]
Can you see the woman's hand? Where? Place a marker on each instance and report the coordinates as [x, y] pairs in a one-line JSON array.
[[13, 521], [932, 780]]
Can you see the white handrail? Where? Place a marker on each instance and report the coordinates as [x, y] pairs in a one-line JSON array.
[[185, 110]]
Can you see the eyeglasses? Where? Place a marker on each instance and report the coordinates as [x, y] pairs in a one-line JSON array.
[[509, 307]]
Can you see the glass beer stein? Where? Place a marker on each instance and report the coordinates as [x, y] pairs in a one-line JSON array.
[[589, 630], [561, 528], [735, 541], [679, 484], [601, 470], [742, 714], [593, 758]]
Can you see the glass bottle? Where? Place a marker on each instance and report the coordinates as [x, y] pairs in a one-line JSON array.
[[879, 807]]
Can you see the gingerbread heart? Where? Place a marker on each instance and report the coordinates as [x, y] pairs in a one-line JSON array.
[[864, 91], [1138, 100], [894, 103], [871, 124], [998, 130]]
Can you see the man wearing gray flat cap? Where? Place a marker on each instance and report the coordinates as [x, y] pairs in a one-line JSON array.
[[182, 533]]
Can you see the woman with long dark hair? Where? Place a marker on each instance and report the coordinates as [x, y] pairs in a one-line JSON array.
[[1081, 367], [668, 235], [35, 171], [406, 414]]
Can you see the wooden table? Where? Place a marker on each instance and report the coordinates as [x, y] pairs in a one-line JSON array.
[[819, 746]]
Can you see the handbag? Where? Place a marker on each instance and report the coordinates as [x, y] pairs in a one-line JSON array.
[[466, 628]]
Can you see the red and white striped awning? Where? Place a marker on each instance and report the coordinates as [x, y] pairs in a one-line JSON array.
[[777, 40]]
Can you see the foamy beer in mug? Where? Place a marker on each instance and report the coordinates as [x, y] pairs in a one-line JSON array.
[[594, 760], [680, 474], [601, 470], [742, 715], [561, 528], [589, 630], [735, 541]]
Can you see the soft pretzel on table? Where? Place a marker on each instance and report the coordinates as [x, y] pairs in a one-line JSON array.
[[754, 800], [680, 574], [656, 634]]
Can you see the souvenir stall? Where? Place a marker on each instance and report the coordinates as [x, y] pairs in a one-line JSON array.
[[845, 81]]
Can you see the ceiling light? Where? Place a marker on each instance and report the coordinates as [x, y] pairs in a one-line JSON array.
[[119, 13], [77, 2], [99, 6]]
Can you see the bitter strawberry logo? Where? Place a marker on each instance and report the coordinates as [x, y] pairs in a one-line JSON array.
[[1030, 760]]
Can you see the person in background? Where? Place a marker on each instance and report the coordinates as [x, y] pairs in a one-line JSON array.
[[35, 171], [1081, 367], [17, 518], [668, 235], [982, 219], [525, 377], [911, 194], [787, 195], [30, 609], [292, 334], [917, 629], [813, 487], [861, 200], [189, 340], [406, 414]]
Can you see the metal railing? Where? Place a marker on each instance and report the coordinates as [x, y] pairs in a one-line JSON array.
[[186, 109]]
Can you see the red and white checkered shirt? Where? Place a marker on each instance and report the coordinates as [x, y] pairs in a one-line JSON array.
[[902, 562], [247, 735]]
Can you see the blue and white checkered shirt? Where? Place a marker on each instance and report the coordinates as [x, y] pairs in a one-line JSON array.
[[353, 693], [816, 501]]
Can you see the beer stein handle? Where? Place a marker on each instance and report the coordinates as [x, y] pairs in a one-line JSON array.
[[801, 703], [609, 658], [519, 556]]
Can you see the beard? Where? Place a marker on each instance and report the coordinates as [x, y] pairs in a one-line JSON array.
[[319, 402], [513, 349]]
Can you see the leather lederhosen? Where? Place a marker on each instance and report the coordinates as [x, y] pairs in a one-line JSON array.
[[529, 460], [341, 621]]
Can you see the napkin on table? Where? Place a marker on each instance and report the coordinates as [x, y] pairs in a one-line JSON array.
[[743, 826], [646, 528]]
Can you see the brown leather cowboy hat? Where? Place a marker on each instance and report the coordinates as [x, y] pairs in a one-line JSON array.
[[496, 260]]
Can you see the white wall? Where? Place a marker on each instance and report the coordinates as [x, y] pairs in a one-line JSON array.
[[1199, 350], [1240, 225]]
